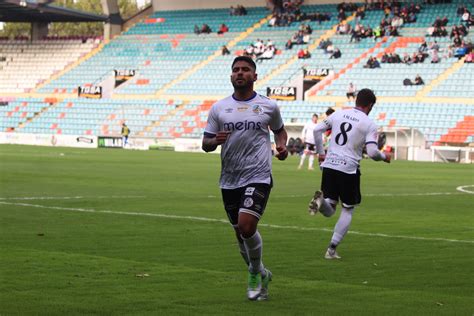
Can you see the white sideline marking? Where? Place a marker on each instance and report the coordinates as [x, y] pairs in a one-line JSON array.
[[216, 220], [385, 194], [379, 194], [73, 197], [461, 188]]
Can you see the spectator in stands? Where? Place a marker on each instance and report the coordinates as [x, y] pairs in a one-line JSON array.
[[232, 11], [465, 17], [406, 59], [377, 32], [289, 44], [356, 33], [423, 47], [223, 29], [418, 81], [336, 54], [360, 14], [125, 132], [469, 57], [206, 29], [434, 57], [304, 54], [197, 30], [324, 43], [460, 52], [268, 53], [372, 63], [343, 28], [457, 41], [225, 50], [351, 92], [341, 15]]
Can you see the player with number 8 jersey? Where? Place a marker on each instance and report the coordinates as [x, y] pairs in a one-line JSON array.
[[352, 129]]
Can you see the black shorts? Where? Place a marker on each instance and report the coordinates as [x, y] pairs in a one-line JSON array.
[[309, 147], [250, 199], [339, 185]]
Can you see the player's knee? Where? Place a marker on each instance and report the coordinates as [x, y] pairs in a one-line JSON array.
[[247, 230]]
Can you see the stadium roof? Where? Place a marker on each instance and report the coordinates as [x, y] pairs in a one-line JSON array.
[[42, 11]]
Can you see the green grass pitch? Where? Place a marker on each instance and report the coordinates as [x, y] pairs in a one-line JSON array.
[[144, 232]]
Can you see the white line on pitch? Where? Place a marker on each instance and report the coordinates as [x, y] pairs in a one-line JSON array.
[[216, 220], [72, 197], [462, 188], [373, 194]]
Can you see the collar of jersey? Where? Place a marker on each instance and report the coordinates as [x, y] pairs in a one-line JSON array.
[[360, 110], [253, 96]]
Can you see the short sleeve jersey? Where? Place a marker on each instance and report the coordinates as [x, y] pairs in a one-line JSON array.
[[246, 155], [307, 132], [352, 129]]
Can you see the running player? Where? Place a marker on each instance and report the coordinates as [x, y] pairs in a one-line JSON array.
[[352, 129], [241, 124]]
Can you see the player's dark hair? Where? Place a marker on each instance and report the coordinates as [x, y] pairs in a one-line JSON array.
[[247, 59], [365, 97], [330, 111], [314, 114]]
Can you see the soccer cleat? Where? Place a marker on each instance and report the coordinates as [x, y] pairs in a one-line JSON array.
[[331, 254], [265, 282], [315, 203], [254, 286]]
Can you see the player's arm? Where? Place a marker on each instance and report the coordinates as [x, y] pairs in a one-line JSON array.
[[318, 138], [371, 146], [211, 141], [376, 154], [281, 138], [213, 135]]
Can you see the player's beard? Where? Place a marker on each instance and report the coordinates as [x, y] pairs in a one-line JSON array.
[[245, 85]]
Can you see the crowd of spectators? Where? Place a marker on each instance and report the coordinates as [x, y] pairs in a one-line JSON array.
[[238, 10], [287, 12], [260, 50]]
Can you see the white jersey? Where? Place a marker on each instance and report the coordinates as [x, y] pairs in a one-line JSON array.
[[351, 130], [307, 133], [246, 155]]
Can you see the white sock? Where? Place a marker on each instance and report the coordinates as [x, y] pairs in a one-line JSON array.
[[303, 157], [342, 226], [243, 252], [311, 161], [326, 208], [254, 251]]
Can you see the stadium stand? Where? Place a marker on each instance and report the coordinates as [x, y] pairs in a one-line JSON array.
[[179, 74], [24, 65]]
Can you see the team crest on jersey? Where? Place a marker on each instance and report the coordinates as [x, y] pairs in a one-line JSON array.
[[257, 109], [248, 202]]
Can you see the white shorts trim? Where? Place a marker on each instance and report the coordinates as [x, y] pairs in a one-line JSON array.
[[244, 210]]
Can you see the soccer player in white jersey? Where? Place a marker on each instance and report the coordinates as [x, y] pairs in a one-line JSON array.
[[352, 129], [241, 124], [308, 139]]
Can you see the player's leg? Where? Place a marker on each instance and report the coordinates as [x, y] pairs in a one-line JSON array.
[[302, 159], [311, 161], [350, 197], [252, 206], [231, 199], [325, 200], [340, 230]]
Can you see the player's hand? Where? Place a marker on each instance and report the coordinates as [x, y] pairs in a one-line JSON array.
[[282, 153], [321, 158], [221, 137], [388, 157]]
